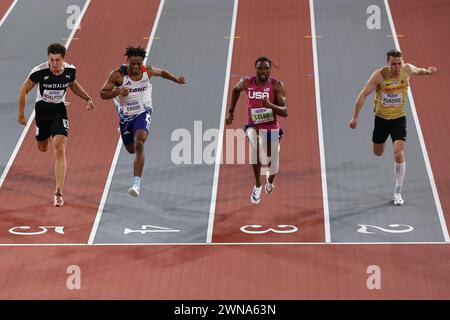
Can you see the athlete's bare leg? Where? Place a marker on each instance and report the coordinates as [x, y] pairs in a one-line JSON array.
[[257, 173], [59, 146], [138, 149], [255, 142], [140, 138], [43, 145], [399, 154], [269, 154], [399, 170], [378, 148]]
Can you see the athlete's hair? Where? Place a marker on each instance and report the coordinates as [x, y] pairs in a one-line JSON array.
[[135, 52], [263, 59], [393, 53], [56, 48]]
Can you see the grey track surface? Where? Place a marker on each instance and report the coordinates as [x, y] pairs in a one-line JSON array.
[[174, 196], [360, 185], [24, 36]]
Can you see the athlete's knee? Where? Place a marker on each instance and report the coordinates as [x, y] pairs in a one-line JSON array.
[[60, 151], [399, 151], [378, 149], [378, 153], [60, 148], [398, 155], [43, 147], [139, 145]]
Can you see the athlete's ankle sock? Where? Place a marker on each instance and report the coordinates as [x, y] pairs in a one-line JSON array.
[[399, 175], [137, 182]]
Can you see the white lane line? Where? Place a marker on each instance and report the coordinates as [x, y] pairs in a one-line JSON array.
[[323, 168], [218, 244], [212, 207], [11, 7], [30, 120], [420, 134], [98, 216]]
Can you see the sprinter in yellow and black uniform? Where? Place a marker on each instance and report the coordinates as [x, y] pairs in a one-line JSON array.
[[391, 85]]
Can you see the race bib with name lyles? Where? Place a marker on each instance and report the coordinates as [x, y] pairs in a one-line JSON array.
[[262, 115]]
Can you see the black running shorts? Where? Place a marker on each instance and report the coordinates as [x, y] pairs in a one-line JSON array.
[[51, 120], [396, 128]]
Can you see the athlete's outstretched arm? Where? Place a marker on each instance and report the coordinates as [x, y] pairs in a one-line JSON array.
[[368, 88], [24, 89], [156, 72], [109, 90], [76, 88], [412, 69], [240, 86], [281, 108]]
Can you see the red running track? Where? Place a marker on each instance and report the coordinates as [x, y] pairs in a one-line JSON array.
[[201, 272], [4, 6], [227, 272], [279, 31], [27, 192]]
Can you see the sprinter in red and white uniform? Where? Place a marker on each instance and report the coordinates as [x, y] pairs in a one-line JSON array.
[[266, 99]]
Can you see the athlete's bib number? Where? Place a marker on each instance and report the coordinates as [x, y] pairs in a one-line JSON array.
[[53, 96], [262, 115], [392, 99], [132, 108]]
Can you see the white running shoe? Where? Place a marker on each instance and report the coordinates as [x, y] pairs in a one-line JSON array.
[[58, 200], [398, 201], [269, 186], [256, 195], [134, 191]]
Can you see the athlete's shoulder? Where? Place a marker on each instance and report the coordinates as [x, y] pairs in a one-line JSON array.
[[118, 70], [242, 84], [247, 80], [276, 82], [69, 66], [39, 71], [408, 67], [116, 76], [151, 70], [379, 74], [40, 67], [381, 70]]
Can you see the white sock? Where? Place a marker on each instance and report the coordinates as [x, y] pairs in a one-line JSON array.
[[399, 175], [137, 182]]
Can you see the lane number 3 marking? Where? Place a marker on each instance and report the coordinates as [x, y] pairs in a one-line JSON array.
[[258, 229]]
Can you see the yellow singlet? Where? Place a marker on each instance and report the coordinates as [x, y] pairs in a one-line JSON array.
[[390, 99]]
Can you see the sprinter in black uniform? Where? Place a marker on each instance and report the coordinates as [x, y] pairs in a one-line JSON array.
[[53, 78]]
